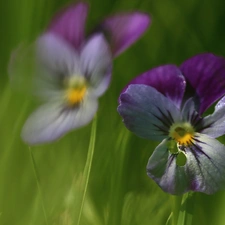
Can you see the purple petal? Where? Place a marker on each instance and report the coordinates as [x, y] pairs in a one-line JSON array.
[[203, 172], [146, 112], [123, 30], [69, 24], [214, 125], [206, 74], [166, 79], [51, 121]]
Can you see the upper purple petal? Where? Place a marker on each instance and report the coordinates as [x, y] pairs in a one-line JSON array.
[[206, 75], [124, 29], [166, 79], [70, 24]]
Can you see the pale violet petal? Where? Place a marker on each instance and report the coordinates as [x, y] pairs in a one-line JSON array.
[[56, 56], [203, 172], [163, 170], [56, 60], [52, 120], [96, 61], [146, 112], [190, 114], [214, 125]]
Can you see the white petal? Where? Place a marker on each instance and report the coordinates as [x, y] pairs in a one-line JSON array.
[[53, 120], [203, 171], [214, 124], [96, 63], [57, 56], [56, 60]]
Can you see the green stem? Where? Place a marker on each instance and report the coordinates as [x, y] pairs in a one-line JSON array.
[[88, 165], [176, 203], [38, 185], [186, 210], [168, 222]]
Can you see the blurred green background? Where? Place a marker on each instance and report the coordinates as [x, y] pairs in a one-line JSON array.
[[119, 191]]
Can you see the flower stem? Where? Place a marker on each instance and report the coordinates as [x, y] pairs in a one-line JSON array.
[[176, 202], [38, 185], [88, 165], [186, 210]]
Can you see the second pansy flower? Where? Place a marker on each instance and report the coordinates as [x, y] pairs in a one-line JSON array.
[[166, 104]]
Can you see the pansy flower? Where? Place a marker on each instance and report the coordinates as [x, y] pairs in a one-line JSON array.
[[166, 104], [74, 70]]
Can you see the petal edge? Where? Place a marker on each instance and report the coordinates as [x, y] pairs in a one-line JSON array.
[[124, 29]]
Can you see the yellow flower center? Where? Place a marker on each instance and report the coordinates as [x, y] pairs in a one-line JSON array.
[[181, 136], [76, 95], [76, 89], [182, 133]]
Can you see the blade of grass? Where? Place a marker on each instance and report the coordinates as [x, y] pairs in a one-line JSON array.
[[88, 164], [118, 181], [38, 185], [170, 218], [5, 100]]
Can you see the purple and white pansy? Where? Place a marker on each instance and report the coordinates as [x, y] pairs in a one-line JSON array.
[[73, 71], [166, 104]]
